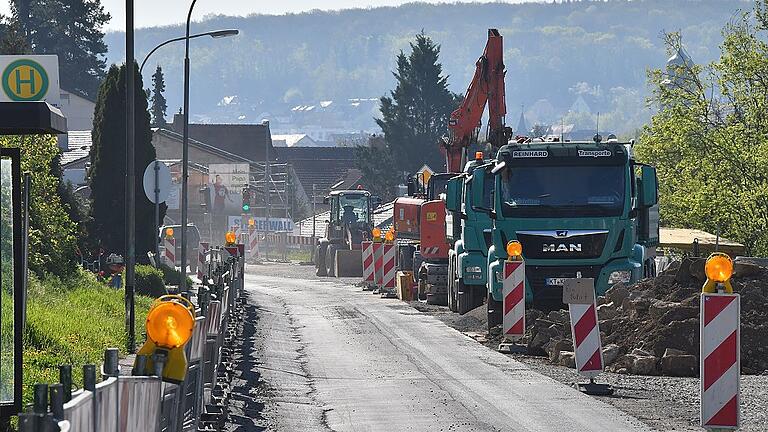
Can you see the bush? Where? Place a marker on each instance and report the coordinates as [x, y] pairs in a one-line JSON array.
[[149, 281], [172, 276]]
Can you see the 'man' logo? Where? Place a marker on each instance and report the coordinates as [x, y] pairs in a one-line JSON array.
[[562, 247]]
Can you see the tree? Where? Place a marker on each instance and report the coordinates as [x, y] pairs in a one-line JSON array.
[[709, 140], [107, 173], [376, 164], [72, 29], [416, 113], [52, 233], [159, 105], [12, 40]]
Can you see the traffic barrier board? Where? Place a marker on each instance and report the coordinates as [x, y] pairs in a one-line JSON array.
[[720, 360], [584, 328], [513, 292], [388, 266], [367, 257]]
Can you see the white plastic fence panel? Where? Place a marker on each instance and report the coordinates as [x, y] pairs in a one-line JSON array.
[[197, 343], [139, 404], [214, 320], [78, 412], [106, 405]]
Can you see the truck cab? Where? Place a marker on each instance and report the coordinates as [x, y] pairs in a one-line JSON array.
[[468, 230], [579, 209]]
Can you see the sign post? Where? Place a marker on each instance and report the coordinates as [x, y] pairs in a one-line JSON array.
[[157, 187]]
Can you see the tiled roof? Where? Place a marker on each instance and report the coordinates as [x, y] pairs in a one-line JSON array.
[[321, 166], [78, 146], [245, 140]]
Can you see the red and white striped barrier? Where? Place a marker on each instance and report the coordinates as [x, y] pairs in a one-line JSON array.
[[378, 264], [388, 266], [585, 331], [367, 254], [202, 251], [169, 255], [513, 292], [253, 242], [720, 360]]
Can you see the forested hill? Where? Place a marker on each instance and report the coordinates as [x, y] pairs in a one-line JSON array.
[[553, 51]]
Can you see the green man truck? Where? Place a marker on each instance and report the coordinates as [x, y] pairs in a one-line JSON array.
[[469, 234], [579, 209]]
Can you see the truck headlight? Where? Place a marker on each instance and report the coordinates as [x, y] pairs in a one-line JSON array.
[[473, 269], [624, 276]]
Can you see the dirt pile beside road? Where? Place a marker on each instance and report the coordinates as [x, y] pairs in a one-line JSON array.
[[652, 327]]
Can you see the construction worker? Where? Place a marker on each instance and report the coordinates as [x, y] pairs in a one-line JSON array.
[[349, 217]]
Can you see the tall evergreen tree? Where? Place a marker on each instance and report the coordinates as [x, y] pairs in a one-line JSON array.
[[416, 113], [72, 29], [107, 175], [159, 105]]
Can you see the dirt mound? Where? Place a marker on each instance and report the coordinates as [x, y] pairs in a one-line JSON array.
[[652, 327]]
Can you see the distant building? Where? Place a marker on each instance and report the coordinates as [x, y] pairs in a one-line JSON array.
[[297, 140], [75, 160], [78, 109]]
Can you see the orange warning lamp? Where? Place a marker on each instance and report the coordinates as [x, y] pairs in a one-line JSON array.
[[376, 233], [230, 238], [170, 324], [719, 269], [514, 249], [251, 222], [390, 235], [169, 232], [479, 156]]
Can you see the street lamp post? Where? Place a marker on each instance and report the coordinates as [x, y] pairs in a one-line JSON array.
[[214, 34], [185, 159]]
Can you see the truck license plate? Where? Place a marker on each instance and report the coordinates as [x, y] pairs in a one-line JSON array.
[[554, 281]]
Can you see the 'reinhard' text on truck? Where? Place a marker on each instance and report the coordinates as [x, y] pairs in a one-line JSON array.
[[579, 209]]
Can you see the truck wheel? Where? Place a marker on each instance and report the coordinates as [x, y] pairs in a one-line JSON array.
[[463, 297], [452, 284], [330, 260], [416, 262], [493, 308], [320, 259]]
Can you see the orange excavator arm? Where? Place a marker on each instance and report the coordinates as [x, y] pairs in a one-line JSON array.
[[487, 87]]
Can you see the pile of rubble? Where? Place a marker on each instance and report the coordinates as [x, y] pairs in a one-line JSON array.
[[652, 327]]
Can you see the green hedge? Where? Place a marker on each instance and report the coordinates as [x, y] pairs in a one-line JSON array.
[[149, 281]]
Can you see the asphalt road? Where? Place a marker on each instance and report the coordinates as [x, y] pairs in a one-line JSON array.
[[320, 354]]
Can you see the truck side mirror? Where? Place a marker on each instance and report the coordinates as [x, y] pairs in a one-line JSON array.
[[478, 184], [375, 201], [649, 187], [453, 194]]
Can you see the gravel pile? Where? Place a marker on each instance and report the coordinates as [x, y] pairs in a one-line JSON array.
[[652, 327]]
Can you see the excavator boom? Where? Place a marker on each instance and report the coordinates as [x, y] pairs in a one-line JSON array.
[[486, 88]]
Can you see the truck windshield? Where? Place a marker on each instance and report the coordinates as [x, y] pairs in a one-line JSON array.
[[563, 191], [438, 184], [353, 208]]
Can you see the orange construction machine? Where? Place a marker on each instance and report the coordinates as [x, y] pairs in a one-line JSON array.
[[420, 218]]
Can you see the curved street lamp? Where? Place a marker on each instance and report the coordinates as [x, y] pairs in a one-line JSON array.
[[214, 34]]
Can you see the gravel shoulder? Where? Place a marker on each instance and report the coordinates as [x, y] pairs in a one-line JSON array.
[[664, 403]]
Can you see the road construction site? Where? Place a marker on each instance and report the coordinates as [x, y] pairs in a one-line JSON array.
[[321, 354]]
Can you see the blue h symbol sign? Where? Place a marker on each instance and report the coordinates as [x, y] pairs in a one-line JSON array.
[[29, 81]]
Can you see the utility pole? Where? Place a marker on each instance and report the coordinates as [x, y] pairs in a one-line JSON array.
[[268, 178], [130, 182]]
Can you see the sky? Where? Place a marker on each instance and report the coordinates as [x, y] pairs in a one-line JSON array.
[[150, 13]]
